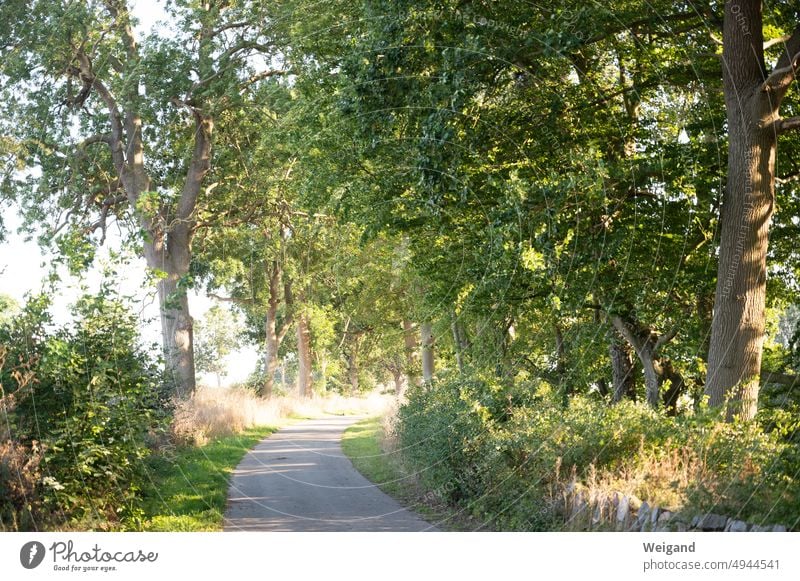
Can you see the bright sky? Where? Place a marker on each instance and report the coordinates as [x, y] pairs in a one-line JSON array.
[[23, 267]]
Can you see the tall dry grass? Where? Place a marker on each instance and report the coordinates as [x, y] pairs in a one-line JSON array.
[[211, 413]]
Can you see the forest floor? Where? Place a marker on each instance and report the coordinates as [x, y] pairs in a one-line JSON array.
[[300, 480]]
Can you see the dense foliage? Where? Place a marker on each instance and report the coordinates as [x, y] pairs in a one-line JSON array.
[[510, 464], [87, 408], [558, 227]]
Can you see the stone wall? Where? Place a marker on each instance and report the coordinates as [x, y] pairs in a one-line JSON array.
[[594, 510]]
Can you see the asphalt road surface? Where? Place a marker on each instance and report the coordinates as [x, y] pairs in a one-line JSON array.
[[298, 479]]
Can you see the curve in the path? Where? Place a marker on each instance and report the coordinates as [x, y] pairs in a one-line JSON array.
[[299, 479]]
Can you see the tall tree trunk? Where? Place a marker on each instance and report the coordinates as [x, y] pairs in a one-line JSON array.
[[602, 386], [352, 369], [399, 381], [168, 231], [411, 352], [426, 336], [304, 378], [270, 355], [752, 103], [676, 387], [177, 334], [273, 337], [561, 365], [459, 342], [647, 345], [652, 379], [622, 371]]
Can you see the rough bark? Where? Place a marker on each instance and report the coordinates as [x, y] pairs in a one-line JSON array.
[[427, 339], [622, 371], [411, 342], [270, 354], [752, 104], [177, 330], [352, 369], [304, 377], [273, 336], [647, 345], [399, 381], [676, 387], [561, 365], [460, 343]]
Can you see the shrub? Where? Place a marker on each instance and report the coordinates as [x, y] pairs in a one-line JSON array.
[[20, 478], [508, 459], [96, 401]]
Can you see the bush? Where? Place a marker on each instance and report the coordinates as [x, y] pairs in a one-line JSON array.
[[20, 479], [96, 402], [507, 457]]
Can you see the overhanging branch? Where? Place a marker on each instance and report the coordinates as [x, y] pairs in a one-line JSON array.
[[789, 124], [782, 76]]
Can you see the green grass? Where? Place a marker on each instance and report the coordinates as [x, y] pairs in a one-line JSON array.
[[362, 443], [188, 488]]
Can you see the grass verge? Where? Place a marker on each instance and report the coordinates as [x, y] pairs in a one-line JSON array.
[[363, 444], [187, 488]]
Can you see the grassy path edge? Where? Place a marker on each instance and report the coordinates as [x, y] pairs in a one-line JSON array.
[[362, 444], [187, 488]]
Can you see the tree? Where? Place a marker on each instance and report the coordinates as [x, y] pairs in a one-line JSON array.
[[9, 307], [217, 337], [753, 97], [114, 131]]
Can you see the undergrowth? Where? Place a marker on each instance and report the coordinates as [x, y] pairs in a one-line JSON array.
[[507, 458]]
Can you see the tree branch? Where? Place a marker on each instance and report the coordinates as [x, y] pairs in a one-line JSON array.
[[119, 12], [774, 41], [785, 179], [780, 78], [261, 76], [780, 378], [229, 26], [789, 124], [792, 47], [94, 139], [198, 168], [664, 339], [234, 300], [105, 206], [115, 138], [287, 324], [627, 333]]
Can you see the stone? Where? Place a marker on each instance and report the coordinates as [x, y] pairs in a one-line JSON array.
[[579, 518], [643, 516], [736, 526], [623, 513], [654, 514], [712, 522], [695, 521], [759, 529], [663, 521], [779, 529]]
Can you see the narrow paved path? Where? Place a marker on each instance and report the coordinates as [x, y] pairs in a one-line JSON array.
[[298, 479]]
